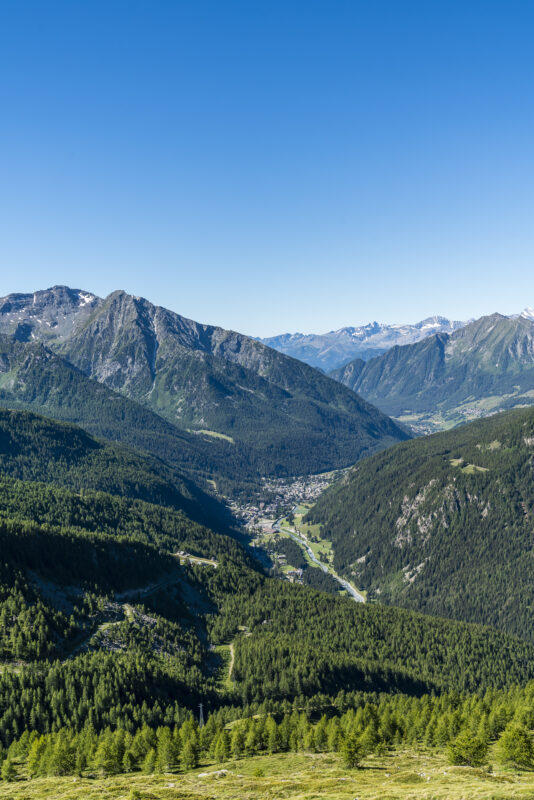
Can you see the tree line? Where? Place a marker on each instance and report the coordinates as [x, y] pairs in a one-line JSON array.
[[465, 725]]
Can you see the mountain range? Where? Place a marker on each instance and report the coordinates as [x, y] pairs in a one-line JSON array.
[[252, 411], [484, 367], [128, 599], [331, 350]]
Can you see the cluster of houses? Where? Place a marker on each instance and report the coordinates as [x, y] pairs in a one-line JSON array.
[[281, 496]]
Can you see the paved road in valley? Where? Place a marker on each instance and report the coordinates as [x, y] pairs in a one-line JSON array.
[[302, 543]]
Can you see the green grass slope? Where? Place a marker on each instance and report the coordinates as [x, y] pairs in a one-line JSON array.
[[406, 774]]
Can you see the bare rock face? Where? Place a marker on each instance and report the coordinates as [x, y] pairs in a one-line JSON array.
[[49, 315]]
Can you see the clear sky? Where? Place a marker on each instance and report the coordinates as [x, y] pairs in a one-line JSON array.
[[271, 166]]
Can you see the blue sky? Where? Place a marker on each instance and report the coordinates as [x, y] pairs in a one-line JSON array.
[[271, 166]]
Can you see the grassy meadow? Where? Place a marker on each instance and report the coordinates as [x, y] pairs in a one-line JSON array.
[[402, 775]]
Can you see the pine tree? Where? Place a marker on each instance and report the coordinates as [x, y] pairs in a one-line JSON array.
[[166, 754], [189, 756], [35, 757], [369, 739], [106, 757], [515, 746], [273, 737], [237, 741], [9, 772], [63, 756], [251, 739], [468, 750], [149, 764], [352, 751], [128, 761], [222, 747]]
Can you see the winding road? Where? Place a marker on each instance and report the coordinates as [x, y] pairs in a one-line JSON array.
[[325, 568]]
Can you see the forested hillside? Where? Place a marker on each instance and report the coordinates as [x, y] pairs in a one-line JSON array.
[[35, 448], [34, 378], [443, 524], [102, 621], [376, 730]]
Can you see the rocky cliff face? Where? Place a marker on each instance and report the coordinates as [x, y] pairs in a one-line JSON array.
[[51, 314]]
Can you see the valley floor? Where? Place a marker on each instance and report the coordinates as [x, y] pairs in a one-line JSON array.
[[404, 775]]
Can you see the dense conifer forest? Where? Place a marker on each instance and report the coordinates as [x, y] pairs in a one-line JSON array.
[[118, 616], [443, 524], [465, 725], [267, 428]]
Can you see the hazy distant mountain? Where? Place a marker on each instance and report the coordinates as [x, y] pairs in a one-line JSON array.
[[331, 350], [527, 313], [484, 367], [275, 414]]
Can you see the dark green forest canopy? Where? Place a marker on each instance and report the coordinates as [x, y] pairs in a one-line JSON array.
[[74, 557], [443, 524], [306, 642], [37, 448], [102, 623]]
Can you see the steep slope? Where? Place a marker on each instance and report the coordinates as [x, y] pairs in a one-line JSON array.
[[332, 350], [443, 524], [39, 449], [485, 367], [33, 378], [275, 410], [51, 314]]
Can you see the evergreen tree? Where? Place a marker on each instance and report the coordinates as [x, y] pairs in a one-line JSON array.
[[149, 763], [128, 761], [63, 756], [468, 750], [273, 735], [166, 753], [105, 759], [9, 772], [515, 746], [237, 741], [352, 751], [35, 757], [222, 747], [189, 755]]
